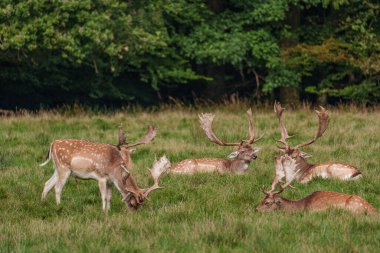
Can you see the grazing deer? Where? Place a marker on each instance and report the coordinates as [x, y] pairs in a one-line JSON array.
[[104, 163], [317, 201], [239, 159], [292, 165]]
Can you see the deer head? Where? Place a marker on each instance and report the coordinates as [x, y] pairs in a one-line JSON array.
[[295, 152], [244, 151], [127, 149], [136, 196], [271, 202]]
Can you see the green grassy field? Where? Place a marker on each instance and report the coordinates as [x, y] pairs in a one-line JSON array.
[[198, 213]]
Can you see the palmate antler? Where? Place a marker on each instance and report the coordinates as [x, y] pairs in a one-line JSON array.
[[149, 136], [251, 129], [323, 117], [285, 167], [159, 168], [206, 120], [284, 133], [122, 139]]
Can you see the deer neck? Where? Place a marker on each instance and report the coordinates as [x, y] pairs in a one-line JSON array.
[[130, 183], [293, 205], [302, 166], [126, 183], [238, 165]]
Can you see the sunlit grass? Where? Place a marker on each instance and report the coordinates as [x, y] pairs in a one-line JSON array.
[[198, 213]]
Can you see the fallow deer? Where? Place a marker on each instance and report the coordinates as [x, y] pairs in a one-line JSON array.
[[317, 201], [104, 163], [292, 165], [238, 161]]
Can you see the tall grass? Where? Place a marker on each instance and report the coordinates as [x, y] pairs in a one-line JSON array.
[[198, 213]]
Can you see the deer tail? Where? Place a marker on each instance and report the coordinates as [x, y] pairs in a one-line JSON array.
[[48, 158]]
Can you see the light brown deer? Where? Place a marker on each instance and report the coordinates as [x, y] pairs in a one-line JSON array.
[[238, 161], [101, 162], [293, 166], [317, 201]]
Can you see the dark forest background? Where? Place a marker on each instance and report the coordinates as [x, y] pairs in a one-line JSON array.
[[117, 52]]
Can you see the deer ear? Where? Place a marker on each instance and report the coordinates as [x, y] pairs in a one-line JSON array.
[[233, 154], [304, 154], [256, 150], [278, 202]]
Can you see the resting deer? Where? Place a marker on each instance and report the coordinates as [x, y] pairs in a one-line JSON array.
[[104, 163], [239, 159], [317, 201], [292, 165]]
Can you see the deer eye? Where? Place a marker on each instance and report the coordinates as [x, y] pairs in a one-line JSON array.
[[268, 203]]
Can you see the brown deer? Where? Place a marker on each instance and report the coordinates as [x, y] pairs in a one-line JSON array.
[[317, 201], [238, 161], [292, 165], [101, 162]]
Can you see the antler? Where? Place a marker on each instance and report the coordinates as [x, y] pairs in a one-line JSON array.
[[284, 133], [271, 192], [323, 116], [122, 139], [159, 168], [206, 119], [149, 136], [251, 130]]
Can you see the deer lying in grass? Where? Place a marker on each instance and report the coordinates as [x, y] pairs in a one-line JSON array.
[[317, 201], [104, 163], [239, 159], [292, 165]]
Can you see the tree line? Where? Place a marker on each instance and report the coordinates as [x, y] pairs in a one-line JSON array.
[[117, 52]]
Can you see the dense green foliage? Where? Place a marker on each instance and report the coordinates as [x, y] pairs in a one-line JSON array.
[[115, 52], [198, 213]]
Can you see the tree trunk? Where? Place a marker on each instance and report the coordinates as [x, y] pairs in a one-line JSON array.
[[215, 89], [290, 95]]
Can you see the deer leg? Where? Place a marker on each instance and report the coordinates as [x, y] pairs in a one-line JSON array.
[[103, 191], [49, 185], [109, 195], [62, 178]]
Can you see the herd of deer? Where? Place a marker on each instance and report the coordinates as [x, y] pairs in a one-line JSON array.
[[109, 164]]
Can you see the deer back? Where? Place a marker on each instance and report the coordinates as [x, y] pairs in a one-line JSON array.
[[81, 155]]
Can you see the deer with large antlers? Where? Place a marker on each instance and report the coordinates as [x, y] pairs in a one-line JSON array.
[[102, 162], [238, 161], [292, 164], [317, 201]]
